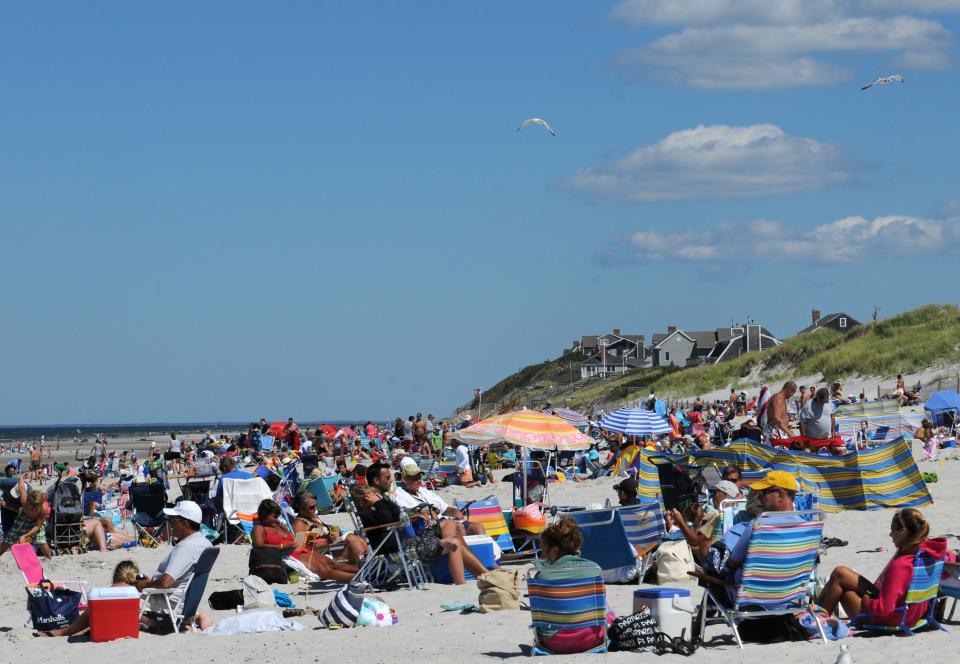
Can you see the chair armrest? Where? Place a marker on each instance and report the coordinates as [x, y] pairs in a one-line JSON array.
[[157, 591]]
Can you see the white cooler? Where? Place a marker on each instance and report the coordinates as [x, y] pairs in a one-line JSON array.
[[672, 607]]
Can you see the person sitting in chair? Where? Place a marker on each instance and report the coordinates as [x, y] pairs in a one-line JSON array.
[[30, 524], [411, 494], [176, 569], [722, 566]]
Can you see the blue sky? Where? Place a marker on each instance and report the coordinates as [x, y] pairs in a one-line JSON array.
[[227, 211]]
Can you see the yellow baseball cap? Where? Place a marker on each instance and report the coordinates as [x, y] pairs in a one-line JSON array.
[[780, 479]]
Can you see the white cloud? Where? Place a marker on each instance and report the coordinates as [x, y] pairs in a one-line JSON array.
[[757, 44], [847, 240], [711, 162]]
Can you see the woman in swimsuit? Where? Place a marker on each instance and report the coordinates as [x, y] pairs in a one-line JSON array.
[[307, 521]]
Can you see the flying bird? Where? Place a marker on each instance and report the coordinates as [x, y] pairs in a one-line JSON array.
[[537, 121], [884, 80]]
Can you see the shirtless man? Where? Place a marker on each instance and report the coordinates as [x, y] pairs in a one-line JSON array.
[[778, 422], [420, 435], [36, 456]]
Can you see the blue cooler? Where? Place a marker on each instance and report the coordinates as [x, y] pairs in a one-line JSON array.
[[950, 442], [482, 547]]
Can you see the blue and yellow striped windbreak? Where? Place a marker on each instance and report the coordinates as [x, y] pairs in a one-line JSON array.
[[883, 477]]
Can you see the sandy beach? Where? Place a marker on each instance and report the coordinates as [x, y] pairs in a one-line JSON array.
[[426, 633]]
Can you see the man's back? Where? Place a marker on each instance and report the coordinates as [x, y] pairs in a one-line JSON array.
[[816, 419], [180, 562]]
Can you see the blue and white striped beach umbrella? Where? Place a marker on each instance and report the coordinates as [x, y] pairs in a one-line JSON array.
[[635, 422]]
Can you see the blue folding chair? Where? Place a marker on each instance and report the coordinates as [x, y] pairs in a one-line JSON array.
[[185, 609], [559, 605], [924, 587], [605, 540], [643, 524]]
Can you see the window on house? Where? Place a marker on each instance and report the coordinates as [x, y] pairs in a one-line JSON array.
[[843, 322], [666, 357]]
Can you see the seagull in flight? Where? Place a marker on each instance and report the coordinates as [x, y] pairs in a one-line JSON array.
[[536, 121], [884, 80]]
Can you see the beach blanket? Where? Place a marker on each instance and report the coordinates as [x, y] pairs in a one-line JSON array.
[[883, 477]]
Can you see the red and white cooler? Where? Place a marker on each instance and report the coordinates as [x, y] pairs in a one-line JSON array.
[[114, 613]]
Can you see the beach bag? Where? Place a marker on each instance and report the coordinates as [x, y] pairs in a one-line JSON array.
[[499, 589], [427, 545], [52, 607], [772, 629], [636, 633], [257, 593], [674, 560], [375, 613], [226, 600], [267, 563], [344, 608]]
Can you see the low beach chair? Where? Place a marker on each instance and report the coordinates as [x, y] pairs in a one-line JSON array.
[[447, 472], [643, 524], [950, 588], [404, 560], [241, 499], [776, 573], [924, 587], [32, 570], [605, 540], [186, 608], [729, 510], [147, 501], [488, 513], [558, 605]]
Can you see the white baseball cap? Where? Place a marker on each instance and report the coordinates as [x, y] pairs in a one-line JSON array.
[[186, 509]]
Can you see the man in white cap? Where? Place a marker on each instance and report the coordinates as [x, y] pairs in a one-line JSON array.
[[174, 571]]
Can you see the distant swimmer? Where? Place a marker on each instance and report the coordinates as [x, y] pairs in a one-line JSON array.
[[884, 80], [537, 121]]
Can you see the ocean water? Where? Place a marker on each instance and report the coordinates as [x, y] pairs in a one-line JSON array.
[[67, 432]]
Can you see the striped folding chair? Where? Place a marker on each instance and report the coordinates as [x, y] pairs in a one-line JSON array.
[[559, 605], [487, 512], [776, 572], [924, 588], [322, 489], [643, 524]]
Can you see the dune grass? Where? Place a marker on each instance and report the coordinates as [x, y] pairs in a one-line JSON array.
[[913, 341]]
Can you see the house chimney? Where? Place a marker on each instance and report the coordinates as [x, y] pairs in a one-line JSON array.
[[576, 343], [616, 331], [815, 314], [671, 329]]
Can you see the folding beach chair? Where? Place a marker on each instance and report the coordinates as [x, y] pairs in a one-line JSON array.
[[924, 587], [557, 605], [605, 539], [32, 569], [950, 587], [643, 524], [487, 512], [429, 469], [446, 472], [149, 523], [186, 607], [241, 500], [776, 573]]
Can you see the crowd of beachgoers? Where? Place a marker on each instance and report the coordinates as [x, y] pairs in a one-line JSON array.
[[371, 508]]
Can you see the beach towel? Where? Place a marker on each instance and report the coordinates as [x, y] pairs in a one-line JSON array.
[[252, 622]]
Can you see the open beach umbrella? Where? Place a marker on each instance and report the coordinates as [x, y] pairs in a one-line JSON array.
[[572, 417], [328, 430], [526, 428], [635, 422]]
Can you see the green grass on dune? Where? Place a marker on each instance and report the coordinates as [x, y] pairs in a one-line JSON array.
[[913, 341]]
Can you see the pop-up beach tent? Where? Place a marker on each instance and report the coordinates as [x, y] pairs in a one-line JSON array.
[[943, 407]]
